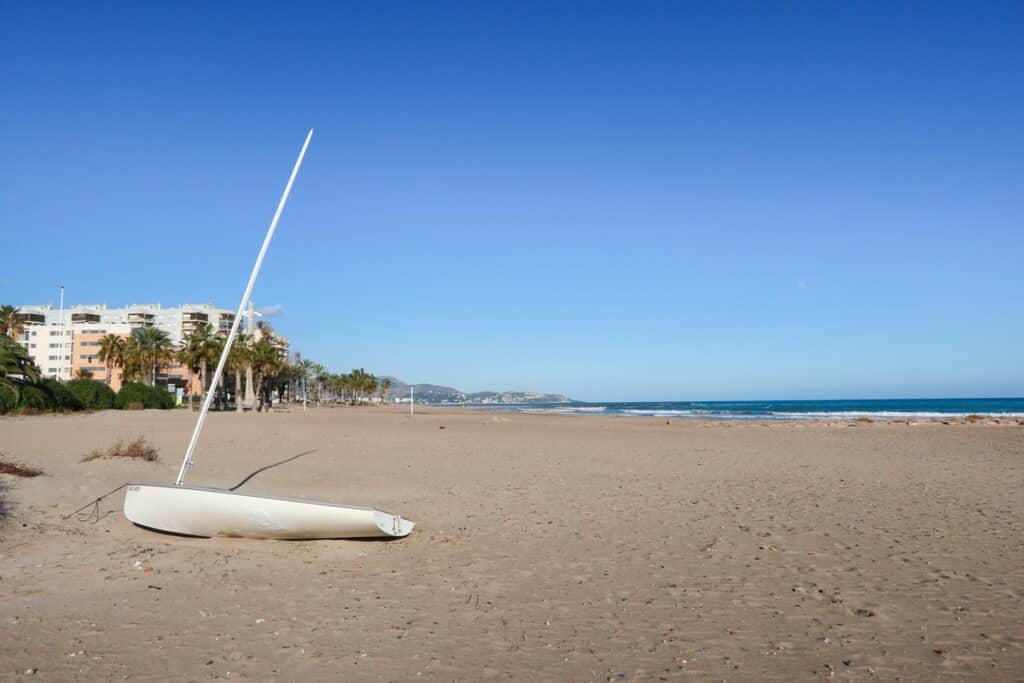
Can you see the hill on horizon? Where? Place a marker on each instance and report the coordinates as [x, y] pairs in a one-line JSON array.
[[436, 393]]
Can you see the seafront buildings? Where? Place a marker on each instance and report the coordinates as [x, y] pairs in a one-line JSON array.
[[63, 341]]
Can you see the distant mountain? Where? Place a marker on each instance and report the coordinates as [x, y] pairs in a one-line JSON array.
[[434, 393]]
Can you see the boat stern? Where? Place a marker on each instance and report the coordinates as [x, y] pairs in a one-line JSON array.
[[393, 525]]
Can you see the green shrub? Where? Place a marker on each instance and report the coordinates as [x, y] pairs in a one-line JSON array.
[[167, 399], [149, 397], [91, 394], [135, 392], [8, 398], [61, 398], [35, 397]]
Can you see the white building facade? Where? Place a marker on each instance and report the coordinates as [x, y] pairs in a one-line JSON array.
[[49, 333]]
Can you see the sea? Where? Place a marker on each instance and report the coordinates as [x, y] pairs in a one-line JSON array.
[[786, 410]]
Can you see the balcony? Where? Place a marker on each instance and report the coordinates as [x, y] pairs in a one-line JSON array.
[[85, 317], [31, 318], [141, 319]]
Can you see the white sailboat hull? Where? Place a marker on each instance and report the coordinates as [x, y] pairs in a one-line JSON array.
[[198, 511]]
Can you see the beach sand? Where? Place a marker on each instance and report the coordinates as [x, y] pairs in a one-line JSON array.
[[547, 547]]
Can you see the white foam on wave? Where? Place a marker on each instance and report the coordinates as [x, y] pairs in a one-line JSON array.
[[879, 414], [564, 409], [655, 412], [771, 415]]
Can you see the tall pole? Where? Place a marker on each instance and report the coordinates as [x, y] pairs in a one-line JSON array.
[[187, 460], [412, 401], [63, 342]]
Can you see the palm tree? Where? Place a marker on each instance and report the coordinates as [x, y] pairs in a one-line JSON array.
[[155, 351], [321, 377], [265, 360], [16, 368], [360, 383], [283, 379], [131, 360], [112, 353], [385, 389], [304, 370], [238, 359], [191, 356], [204, 347], [338, 385], [83, 373], [10, 323], [369, 385], [214, 348]]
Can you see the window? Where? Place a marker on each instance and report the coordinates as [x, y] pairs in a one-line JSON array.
[[54, 358], [90, 343], [54, 346]]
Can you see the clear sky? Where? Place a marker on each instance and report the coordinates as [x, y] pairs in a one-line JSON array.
[[617, 201]]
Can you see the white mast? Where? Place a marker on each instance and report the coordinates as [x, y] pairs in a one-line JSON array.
[[241, 311], [412, 401]]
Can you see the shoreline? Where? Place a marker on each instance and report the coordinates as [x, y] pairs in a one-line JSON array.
[[1004, 419], [858, 419]]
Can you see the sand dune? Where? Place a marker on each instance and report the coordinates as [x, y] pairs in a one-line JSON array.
[[572, 548]]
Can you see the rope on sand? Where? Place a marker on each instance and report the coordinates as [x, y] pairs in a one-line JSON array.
[[93, 516]]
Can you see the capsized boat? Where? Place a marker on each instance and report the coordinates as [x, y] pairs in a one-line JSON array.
[[199, 511]]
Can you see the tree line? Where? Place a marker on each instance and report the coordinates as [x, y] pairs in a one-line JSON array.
[[254, 361]]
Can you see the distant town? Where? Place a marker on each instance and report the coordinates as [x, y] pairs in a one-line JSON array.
[[441, 395]]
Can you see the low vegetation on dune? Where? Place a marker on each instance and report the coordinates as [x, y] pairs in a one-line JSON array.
[[137, 449], [16, 470], [13, 469]]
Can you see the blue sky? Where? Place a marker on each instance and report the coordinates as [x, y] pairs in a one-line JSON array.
[[617, 201]]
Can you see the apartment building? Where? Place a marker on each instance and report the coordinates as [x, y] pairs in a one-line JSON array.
[[49, 345], [61, 342]]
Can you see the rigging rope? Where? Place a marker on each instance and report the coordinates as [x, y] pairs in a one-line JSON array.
[[93, 515]]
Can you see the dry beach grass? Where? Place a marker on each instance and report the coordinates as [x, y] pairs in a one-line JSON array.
[[137, 449], [16, 470], [547, 548]]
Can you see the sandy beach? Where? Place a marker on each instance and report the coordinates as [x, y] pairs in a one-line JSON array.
[[562, 548]]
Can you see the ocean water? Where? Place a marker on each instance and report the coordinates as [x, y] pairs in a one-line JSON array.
[[787, 410]]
